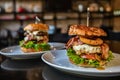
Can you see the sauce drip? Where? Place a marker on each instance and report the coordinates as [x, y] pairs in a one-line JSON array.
[[101, 68]]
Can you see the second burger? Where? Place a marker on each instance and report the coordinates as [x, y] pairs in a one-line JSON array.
[[36, 38]]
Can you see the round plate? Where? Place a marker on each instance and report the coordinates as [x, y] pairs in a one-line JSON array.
[[16, 53], [59, 60]]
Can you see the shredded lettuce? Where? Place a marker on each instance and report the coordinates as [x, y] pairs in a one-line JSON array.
[[36, 46], [110, 56]]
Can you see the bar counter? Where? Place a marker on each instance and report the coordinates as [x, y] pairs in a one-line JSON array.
[[36, 69]]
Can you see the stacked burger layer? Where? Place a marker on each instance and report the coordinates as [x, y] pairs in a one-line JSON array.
[[36, 38], [87, 48]]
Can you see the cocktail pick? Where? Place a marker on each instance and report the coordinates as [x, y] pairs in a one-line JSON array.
[[37, 20], [88, 17]]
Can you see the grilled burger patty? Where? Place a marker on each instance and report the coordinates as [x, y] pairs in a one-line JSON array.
[[35, 35]]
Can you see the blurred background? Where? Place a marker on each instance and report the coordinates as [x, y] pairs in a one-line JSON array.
[[59, 15]]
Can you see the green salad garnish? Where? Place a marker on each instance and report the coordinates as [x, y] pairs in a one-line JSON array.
[[36, 46]]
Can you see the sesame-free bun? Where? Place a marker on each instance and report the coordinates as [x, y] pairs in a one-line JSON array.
[[36, 27], [30, 50], [86, 31]]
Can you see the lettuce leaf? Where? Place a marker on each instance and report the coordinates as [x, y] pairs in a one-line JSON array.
[[36, 46], [110, 56]]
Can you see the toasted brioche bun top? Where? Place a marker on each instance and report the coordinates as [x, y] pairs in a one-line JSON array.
[[36, 27], [86, 31]]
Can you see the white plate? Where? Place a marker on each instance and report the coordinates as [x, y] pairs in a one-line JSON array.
[[57, 45], [16, 53], [49, 73], [59, 60]]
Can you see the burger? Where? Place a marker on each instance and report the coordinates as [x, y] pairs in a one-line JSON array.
[[36, 38], [86, 48]]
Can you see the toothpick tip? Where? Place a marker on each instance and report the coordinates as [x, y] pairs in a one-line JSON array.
[[88, 9]]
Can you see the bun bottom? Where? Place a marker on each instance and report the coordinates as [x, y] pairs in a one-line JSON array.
[[82, 65], [29, 50]]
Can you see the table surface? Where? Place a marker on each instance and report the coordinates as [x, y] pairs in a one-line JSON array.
[[36, 69]]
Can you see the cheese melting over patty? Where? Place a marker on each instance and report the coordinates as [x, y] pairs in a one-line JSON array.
[[84, 48]]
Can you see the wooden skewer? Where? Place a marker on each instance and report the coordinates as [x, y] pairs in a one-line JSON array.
[[88, 17], [37, 20]]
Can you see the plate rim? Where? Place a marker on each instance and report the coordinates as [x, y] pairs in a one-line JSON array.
[[21, 55], [72, 69], [8, 53], [29, 53]]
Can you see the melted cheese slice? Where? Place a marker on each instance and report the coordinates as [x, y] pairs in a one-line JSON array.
[[87, 49], [35, 32]]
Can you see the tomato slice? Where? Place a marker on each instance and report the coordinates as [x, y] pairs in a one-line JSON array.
[[88, 56]]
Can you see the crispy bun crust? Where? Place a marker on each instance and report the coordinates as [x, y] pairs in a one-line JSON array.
[[86, 31], [36, 27], [30, 50]]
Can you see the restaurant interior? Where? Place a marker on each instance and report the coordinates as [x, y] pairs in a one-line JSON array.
[[59, 15]]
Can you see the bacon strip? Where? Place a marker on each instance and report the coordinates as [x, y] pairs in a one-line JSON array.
[[88, 56], [105, 49], [73, 41]]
